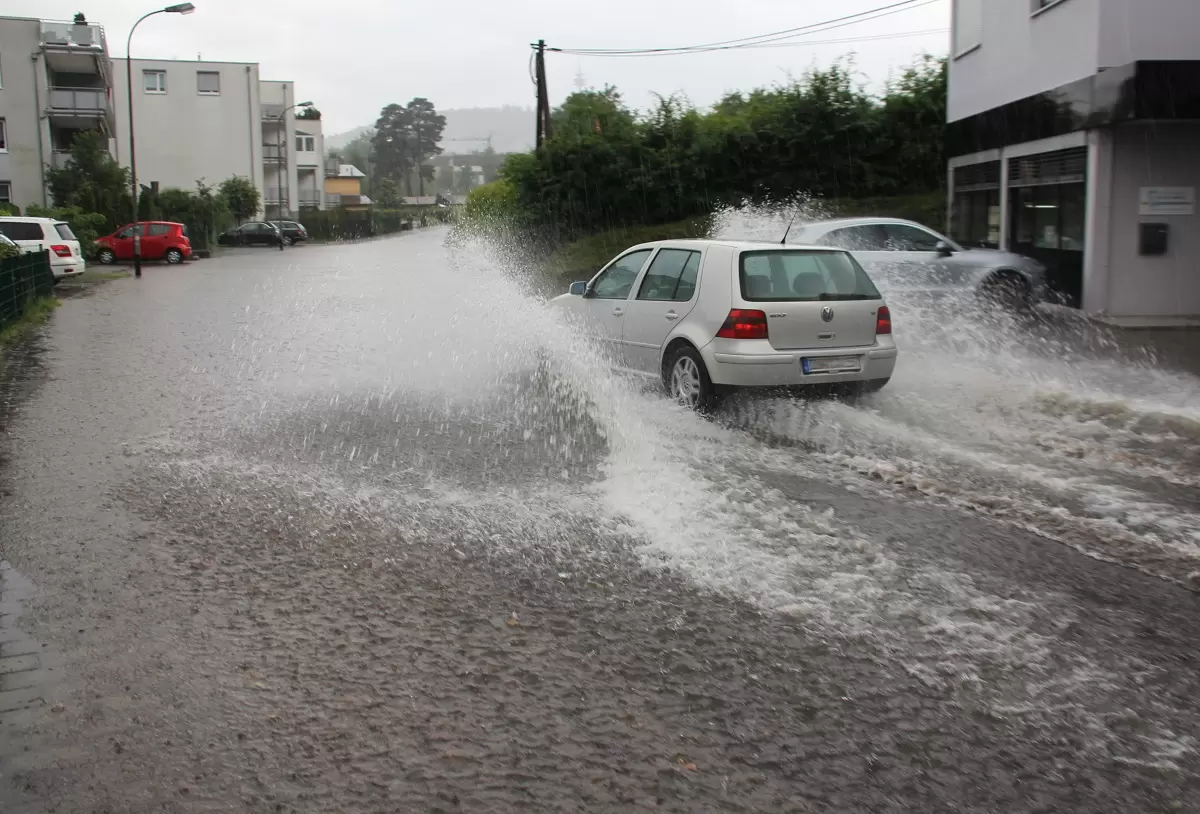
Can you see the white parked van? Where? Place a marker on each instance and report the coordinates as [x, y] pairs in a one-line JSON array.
[[47, 234]]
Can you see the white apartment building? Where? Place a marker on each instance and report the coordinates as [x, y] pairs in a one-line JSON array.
[[212, 120], [192, 121], [55, 80], [1074, 136]]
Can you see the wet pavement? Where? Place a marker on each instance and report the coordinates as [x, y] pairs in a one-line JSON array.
[[310, 531]]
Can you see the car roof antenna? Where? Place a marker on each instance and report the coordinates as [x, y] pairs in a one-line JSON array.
[[787, 231]]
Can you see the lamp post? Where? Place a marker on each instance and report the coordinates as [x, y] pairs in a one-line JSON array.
[[178, 8], [283, 169]]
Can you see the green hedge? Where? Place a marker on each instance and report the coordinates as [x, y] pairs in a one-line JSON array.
[[345, 224]]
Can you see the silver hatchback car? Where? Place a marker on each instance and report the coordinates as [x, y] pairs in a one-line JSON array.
[[705, 316]]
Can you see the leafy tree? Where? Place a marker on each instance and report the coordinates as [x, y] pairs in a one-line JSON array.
[[308, 114], [387, 193], [92, 180], [821, 136], [239, 196], [404, 137]]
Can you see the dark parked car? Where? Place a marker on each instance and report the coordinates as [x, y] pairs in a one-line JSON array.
[[293, 232], [253, 233]]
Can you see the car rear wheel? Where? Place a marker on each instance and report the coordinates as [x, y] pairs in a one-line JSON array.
[[105, 257], [686, 380], [1007, 290], [174, 257]]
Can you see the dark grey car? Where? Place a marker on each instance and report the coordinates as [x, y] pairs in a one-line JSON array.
[[904, 256]]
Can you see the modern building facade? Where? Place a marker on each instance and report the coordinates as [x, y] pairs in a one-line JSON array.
[[192, 120], [1074, 131], [56, 79]]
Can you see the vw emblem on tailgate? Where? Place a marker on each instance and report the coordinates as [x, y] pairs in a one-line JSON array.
[[827, 314]]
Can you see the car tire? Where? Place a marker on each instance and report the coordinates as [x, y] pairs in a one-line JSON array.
[[686, 380], [1006, 290], [173, 257], [106, 257]]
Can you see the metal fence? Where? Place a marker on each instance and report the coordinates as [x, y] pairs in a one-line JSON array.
[[22, 280]]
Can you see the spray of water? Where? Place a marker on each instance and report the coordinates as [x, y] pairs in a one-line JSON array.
[[468, 412]]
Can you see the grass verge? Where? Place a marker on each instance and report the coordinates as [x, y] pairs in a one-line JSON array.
[[35, 314], [100, 276], [580, 259]]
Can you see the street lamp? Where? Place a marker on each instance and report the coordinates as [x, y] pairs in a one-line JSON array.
[[178, 8], [283, 170]]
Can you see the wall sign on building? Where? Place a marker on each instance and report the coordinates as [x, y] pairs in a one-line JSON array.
[[1167, 201]]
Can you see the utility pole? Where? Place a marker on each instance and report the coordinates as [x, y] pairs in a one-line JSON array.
[[420, 164], [543, 96]]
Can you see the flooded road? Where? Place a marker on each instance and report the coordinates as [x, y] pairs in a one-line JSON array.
[[304, 531]]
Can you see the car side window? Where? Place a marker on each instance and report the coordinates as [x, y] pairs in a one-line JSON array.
[[159, 229], [616, 281], [904, 238], [664, 280], [129, 231], [856, 239]]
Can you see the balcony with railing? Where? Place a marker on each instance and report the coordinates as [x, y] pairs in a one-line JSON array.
[[274, 153], [310, 197], [59, 159], [272, 112], [272, 195], [79, 107], [72, 48]]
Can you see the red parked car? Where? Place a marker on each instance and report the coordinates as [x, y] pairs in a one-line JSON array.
[[161, 240]]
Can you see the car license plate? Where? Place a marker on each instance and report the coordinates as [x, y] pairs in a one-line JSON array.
[[831, 364]]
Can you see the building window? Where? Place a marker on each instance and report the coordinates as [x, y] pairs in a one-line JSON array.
[[968, 26], [305, 144], [3, 136], [5, 192], [154, 81], [208, 83]]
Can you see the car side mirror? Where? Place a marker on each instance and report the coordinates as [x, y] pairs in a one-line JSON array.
[[578, 289], [943, 249]]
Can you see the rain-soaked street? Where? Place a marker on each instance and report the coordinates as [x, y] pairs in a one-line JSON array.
[[305, 531]]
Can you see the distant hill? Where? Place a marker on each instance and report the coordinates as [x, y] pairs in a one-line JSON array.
[[469, 129]]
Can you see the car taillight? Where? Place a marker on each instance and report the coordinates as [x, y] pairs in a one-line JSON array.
[[61, 251], [883, 321], [743, 324]]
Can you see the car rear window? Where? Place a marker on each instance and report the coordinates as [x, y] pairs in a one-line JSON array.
[[21, 230], [788, 275], [64, 231]]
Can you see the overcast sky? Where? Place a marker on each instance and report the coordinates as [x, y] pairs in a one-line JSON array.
[[351, 57]]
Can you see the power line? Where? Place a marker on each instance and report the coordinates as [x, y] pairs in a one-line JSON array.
[[759, 39], [803, 43]]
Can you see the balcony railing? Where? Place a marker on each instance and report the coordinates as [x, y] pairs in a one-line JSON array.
[[272, 195], [80, 100], [272, 112], [310, 197], [69, 35], [273, 152], [59, 159], [332, 199]]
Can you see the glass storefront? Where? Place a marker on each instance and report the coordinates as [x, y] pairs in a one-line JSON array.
[[1047, 205]]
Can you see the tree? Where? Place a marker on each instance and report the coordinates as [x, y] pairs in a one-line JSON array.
[[92, 180], [389, 144], [240, 196], [308, 114], [386, 193], [404, 137]]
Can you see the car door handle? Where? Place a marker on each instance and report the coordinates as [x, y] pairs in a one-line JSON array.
[[671, 315], [618, 311]]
